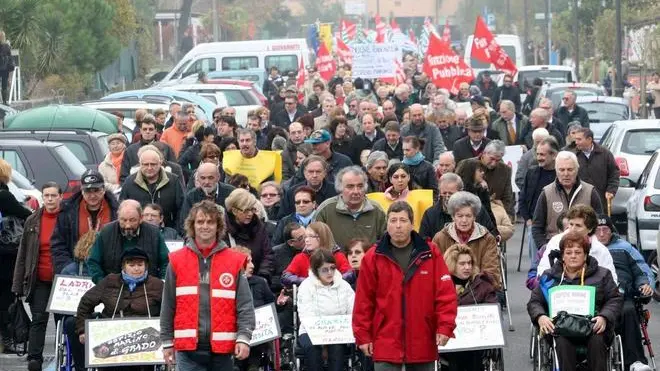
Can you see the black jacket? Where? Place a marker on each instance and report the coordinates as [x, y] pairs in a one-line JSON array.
[[65, 234], [281, 118], [168, 193], [435, 219], [361, 142], [189, 160], [463, 149], [196, 195], [261, 294], [450, 135], [511, 93], [254, 237], [287, 205], [283, 255], [554, 132], [396, 153], [131, 158], [423, 174], [289, 155], [530, 191], [487, 91], [600, 170], [564, 117]]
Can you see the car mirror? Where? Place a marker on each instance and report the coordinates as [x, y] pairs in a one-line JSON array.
[[625, 182]]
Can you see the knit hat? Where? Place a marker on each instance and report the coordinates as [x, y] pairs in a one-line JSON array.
[[606, 220], [117, 136]]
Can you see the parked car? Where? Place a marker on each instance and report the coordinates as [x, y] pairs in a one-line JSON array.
[[632, 143], [68, 117], [24, 191], [167, 96], [41, 162], [603, 111], [555, 91], [256, 90], [89, 147], [127, 107], [644, 206]]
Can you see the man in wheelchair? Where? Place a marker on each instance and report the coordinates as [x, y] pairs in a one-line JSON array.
[[635, 277], [576, 267]]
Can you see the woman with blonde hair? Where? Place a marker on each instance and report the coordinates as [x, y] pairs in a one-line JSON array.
[[317, 236]]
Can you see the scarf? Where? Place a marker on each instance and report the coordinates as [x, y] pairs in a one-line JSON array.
[[464, 236], [85, 219], [116, 162], [415, 160], [131, 281], [304, 220]]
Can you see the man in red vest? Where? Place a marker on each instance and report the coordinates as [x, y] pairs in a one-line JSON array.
[[207, 313]]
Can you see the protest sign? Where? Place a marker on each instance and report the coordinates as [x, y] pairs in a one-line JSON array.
[[477, 327], [487, 50], [329, 329], [512, 158], [123, 342], [173, 245], [325, 63], [267, 327], [373, 61], [66, 293], [445, 69], [572, 299]]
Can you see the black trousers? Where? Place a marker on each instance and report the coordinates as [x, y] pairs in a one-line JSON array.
[[38, 301], [7, 262], [313, 355], [656, 112], [464, 361], [597, 353], [4, 76], [631, 335]]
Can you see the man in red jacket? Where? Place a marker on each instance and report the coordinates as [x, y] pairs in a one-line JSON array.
[[405, 305]]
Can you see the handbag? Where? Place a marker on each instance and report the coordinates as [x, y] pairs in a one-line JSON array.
[[19, 325], [572, 325], [11, 231]]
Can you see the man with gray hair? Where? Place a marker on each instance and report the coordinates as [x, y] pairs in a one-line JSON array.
[[567, 190], [512, 127], [538, 119], [351, 214], [126, 233], [401, 100], [569, 111], [436, 217], [418, 127], [328, 104], [528, 158], [445, 164]]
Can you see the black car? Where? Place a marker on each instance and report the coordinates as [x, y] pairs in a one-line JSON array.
[[42, 162], [89, 147]]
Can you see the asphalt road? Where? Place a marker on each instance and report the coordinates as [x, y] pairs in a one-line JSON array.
[[516, 353]]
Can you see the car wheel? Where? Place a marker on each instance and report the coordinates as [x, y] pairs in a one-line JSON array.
[[652, 261]]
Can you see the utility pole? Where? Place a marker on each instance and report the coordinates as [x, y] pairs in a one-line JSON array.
[[576, 32], [548, 31], [508, 15], [525, 29], [216, 25], [618, 88]]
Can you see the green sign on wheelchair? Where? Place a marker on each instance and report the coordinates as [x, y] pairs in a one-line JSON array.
[[579, 300]]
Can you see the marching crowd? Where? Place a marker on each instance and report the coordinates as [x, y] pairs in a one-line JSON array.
[[384, 202]]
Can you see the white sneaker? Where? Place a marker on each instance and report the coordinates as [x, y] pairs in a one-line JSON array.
[[639, 366]]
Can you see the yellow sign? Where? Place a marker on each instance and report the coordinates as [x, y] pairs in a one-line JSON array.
[[266, 165], [418, 199], [325, 34]]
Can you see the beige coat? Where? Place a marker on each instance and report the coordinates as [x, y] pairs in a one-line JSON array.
[[502, 220], [109, 172]]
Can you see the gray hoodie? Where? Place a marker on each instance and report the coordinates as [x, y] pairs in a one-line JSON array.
[[244, 307]]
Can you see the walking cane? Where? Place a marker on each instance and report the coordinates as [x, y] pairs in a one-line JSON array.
[[609, 207], [522, 243]]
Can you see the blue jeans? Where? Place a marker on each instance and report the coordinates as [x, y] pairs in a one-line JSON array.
[[314, 359], [203, 361]]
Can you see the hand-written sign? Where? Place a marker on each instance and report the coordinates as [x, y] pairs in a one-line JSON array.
[[372, 61], [572, 299], [173, 245], [511, 158], [477, 327], [329, 329], [267, 327], [126, 341], [66, 293]]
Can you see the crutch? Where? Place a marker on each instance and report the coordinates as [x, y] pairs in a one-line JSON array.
[[504, 285], [522, 243]]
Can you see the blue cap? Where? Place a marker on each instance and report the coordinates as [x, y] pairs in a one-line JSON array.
[[319, 136]]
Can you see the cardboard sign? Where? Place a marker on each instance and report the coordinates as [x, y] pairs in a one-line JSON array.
[[572, 299], [173, 245], [477, 327], [330, 329], [511, 158], [373, 61], [66, 293], [123, 342], [267, 327]]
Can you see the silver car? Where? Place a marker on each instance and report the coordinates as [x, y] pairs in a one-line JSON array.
[[644, 206], [632, 143], [603, 111]]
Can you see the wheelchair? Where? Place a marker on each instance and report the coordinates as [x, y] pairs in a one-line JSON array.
[[644, 317], [493, 360], [546, 359], [63, 357]]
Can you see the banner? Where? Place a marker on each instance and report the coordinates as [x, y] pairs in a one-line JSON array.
[[300, 80], [66, 293], [267, 326], [329, 329], [477, 327], [123, 342], [373, 61], [325, 63], [445, 69], [572, 299], [380, 30], [325, 34], [485, 49], [343, 51]]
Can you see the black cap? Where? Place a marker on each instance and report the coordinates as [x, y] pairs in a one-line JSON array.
[[478, 99], [91, 179], [606, 220], [134, 253]]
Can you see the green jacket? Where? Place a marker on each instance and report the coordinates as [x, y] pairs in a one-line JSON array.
[[369, 223]]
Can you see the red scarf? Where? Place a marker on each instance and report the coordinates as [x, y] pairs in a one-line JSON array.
[[464, 237], [85, 218]]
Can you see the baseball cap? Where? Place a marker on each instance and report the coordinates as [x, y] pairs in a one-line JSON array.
[[319, 136], [92, 179], [606, 220]]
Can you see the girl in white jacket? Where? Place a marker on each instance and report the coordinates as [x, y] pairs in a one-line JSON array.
[[323, 293]]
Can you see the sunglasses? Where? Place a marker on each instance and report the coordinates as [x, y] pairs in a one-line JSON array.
[[303, 202], [326, 270], [268, 195]]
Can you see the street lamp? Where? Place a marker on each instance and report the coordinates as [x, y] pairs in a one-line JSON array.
[[618, 87]]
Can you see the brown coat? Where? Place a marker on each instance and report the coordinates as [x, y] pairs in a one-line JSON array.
[[25, 271], [131, 304], [482, 243]]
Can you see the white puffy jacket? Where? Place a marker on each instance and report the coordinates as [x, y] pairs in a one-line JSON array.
[[317, 300]]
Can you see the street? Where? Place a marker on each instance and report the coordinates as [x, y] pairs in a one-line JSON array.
[[516, 353]]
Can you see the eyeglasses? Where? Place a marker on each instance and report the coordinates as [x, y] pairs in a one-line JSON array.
[[290, 103], [303, 202], [249, 210], [92, 190], [213, 157], [312, 236], [326, 270], [297, 239], [564, 98], [268, 195]]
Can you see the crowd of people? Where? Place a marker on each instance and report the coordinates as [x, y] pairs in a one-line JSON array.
[[353, 195]]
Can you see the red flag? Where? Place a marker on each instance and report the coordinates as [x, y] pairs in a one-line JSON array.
[[486, 49], [343, 51], [446, 32], [325, 63], [411, 35], [348, 27], [444, 68], [395, 26], [300, 80], [380, 30]]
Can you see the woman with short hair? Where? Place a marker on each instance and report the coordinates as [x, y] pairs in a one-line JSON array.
[[110, 167]]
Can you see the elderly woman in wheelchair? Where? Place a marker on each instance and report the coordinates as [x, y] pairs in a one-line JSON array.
[[576, 268]]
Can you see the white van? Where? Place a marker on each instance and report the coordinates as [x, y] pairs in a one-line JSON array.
[[511, 45], [239, 55]]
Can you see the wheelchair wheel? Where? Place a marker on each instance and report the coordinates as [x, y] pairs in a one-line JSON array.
[[60, 347], [542, 355], [616, 361], [496, 360], [532, 341]]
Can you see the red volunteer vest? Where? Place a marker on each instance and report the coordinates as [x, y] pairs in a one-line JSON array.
[[225, 268]]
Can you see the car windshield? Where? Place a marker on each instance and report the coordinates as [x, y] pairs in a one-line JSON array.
[[21, 181], [556, 94], [641, 142], [526, 78], [103, 142], [70, 160], [605, 112]]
